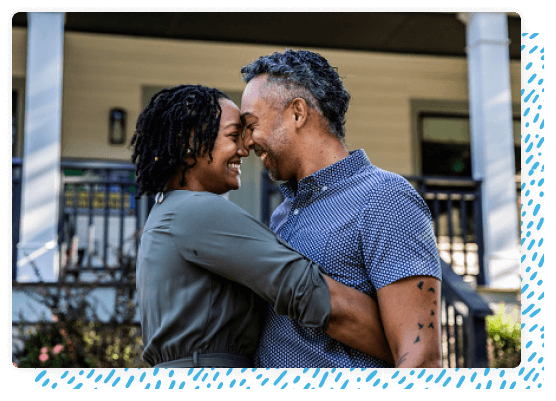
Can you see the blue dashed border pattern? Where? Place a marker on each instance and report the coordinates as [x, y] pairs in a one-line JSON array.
[[529, 374]]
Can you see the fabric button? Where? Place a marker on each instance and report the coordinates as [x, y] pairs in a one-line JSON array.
[[296, 212], [324, 188]]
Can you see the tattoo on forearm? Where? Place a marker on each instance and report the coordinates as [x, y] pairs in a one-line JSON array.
[[401, 360], [420, 325]]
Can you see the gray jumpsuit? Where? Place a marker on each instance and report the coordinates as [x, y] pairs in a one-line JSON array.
[[205, 268]]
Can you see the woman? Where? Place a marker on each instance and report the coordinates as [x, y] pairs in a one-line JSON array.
[[204, 263]]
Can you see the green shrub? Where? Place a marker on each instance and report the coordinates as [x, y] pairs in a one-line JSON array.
[[79, 344], [75, 337], [504, 339]]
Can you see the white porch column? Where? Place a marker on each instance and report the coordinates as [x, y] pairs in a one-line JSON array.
[[38, 249], [492, 147]]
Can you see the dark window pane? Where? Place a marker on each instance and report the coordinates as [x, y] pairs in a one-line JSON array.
[[446, 159]]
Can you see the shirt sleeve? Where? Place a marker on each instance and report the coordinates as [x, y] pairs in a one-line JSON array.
[[397, 235], [221, 237]]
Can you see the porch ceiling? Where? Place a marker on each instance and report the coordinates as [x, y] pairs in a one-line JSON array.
[[439, 33]]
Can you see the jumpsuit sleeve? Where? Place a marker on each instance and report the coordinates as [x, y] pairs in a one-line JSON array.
[[219, 236]]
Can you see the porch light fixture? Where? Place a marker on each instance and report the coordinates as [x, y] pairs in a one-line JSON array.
[[117, 126]]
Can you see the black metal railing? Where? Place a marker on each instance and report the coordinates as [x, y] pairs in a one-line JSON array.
[[455, 206], [464, 336], [99, 218]]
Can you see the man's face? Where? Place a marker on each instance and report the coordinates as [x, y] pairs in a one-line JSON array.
[[266, 131]]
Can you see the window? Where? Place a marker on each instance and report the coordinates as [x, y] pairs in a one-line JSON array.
[[446, 145], [442, 139]]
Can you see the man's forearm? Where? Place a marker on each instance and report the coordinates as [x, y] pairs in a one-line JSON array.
[[410, 308], [416, 359], [355, 321], [417, 354]]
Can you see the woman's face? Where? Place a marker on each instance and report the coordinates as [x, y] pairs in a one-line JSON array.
[[222, 174]]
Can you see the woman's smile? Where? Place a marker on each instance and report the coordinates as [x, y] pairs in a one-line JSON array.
[[235, 167]]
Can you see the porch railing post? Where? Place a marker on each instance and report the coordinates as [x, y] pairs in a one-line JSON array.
[[478, 349], [481, 280]]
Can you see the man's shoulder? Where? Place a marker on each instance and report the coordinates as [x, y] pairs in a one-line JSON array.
[[374, 179], [378, 188], [369, 173]]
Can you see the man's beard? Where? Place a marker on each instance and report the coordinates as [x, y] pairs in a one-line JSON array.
[[272, 166]]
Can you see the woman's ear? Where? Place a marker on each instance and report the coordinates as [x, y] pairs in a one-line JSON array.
[[188, 158]]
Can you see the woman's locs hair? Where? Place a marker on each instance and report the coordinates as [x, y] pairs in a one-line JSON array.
[[177, 123]]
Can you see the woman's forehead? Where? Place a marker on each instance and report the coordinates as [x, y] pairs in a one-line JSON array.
[[230, 113]]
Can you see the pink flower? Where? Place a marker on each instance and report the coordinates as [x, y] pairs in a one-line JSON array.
[[44, 350], [43, 357], [57, 349]]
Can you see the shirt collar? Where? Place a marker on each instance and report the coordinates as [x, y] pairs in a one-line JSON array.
[[329, 175]]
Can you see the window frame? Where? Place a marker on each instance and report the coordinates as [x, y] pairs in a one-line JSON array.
[[444, 108]]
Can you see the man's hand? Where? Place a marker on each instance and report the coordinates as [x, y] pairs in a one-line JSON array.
[[355, 321], [410, 311]]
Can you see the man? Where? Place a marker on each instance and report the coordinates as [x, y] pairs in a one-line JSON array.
[[368, 227]]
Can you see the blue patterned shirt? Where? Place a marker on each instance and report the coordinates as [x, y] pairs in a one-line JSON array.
[[368, 228]]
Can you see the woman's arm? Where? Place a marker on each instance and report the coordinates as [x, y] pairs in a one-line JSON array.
[[224, 239]]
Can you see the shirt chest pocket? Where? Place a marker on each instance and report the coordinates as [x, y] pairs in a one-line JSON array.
[[311, 243], [336, 248], [344, 257]]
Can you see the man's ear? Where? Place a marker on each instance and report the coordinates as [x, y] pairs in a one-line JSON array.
[[299, 110]]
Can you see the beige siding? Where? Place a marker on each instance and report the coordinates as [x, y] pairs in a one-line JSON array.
[[104, 71]]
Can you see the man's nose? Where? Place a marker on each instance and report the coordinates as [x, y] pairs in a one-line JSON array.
[[248, 142], [243, 150]]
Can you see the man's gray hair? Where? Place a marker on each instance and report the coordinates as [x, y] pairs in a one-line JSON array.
[[306, 75]]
